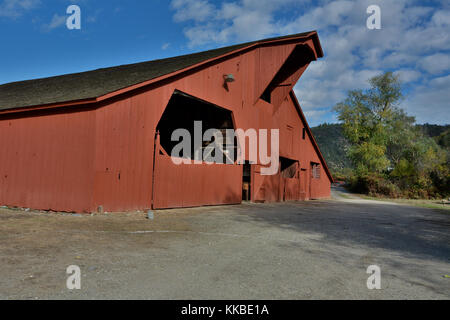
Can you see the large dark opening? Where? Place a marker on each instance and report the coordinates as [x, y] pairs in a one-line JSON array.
[[181, 113], [300, 56]]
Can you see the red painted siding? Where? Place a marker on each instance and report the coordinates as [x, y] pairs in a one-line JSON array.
[[46, 160], [195, 185], [77, 161]]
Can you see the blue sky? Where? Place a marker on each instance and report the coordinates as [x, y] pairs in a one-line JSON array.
[[414, 42]]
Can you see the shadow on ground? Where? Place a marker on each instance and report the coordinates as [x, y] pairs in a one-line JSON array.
[[409, 231]]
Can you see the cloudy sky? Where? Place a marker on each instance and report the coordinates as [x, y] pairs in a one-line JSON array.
[[414, 41]]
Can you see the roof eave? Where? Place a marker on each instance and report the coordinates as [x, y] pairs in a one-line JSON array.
[[312, 34]]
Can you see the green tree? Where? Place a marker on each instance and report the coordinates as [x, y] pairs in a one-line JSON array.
[[369, 117], [386, 147]]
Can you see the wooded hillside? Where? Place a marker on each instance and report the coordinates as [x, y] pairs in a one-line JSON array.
[[334, 145]]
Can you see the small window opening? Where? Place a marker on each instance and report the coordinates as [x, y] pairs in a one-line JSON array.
[[315, 170], [288, 168]]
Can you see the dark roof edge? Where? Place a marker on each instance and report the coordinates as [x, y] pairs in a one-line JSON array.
[[311, 136], [241, 47]]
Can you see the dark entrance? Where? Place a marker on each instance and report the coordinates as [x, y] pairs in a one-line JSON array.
[[246, 182], [181, 113]]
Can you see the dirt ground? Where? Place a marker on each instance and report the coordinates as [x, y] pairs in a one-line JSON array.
[[294, 250]]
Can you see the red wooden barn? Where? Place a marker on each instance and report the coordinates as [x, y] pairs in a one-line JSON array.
[[95, 139]]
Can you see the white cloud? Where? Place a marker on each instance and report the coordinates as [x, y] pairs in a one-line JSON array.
[[197, 10], [441, 18], [414, 42], [165, 46], [57, 21], [244, 20], [430, 102], [313, 115], [408, 75], [15, 8], [436, 64]]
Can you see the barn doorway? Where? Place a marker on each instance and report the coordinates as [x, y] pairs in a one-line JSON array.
[[181, 113], [304, 184], [247, 182], [290, 179], [195, 183]]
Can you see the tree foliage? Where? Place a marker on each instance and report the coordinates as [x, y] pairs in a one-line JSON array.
[[386, 145]]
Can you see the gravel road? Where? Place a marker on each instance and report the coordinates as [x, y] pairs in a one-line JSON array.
[[293, 250]]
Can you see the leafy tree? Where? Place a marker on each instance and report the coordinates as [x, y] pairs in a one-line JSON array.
[[369, 117], [444, 139], [385, 143]]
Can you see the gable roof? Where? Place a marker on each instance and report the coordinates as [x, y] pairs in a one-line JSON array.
[[97, 83]]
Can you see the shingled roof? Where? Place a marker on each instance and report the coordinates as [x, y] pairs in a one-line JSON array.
[[96, 83]]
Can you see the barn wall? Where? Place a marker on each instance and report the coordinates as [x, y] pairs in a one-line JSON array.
[[46, 160], [292, 146], [125, 130], [80, 160], [320, 188], [195, 185]]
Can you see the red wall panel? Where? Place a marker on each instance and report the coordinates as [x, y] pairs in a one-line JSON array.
[[190, 185], [79, 160], [46, 160]]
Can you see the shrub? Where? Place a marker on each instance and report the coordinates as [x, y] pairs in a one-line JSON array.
[[374, 185]]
